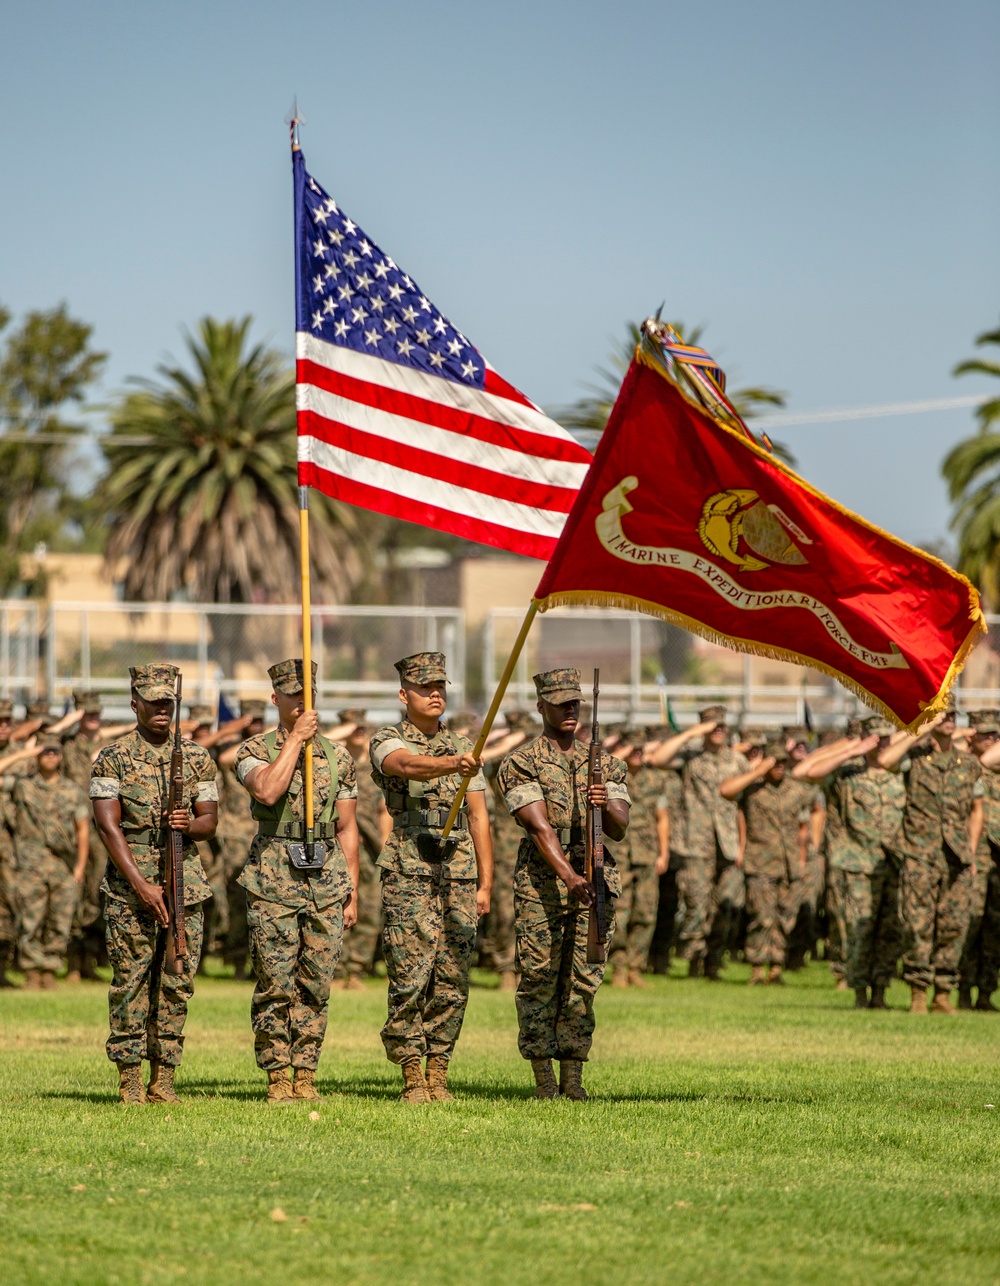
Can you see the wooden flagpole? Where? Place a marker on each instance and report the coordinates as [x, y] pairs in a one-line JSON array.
[[295, 119], [491, 713]]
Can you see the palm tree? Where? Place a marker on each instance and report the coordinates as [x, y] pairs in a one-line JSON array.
[[589, 415], [972, 471], [202, 491]]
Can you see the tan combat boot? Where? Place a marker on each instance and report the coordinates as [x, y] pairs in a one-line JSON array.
[[842, 984], [304, 1085], [774, 978], [508, 981], [354, 983], [635, 978], [757, 978], [130, 1086], [918, 1000], [571, 1080], [279, 1087], [437, 1079], [545, 1078], [861, 998], [48, 980], [414, 1086], [161, 1083], [32, 980], [878, 998], [942, 1001]]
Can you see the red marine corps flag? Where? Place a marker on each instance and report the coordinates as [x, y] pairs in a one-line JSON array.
[[684, 516]]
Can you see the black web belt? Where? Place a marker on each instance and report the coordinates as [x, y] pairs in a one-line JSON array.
[[295, 830], [428, 819]]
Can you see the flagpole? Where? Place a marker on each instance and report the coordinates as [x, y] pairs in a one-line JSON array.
[[491, 713], [294, 120]]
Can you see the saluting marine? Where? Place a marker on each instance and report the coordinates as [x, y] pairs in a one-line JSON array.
[[433, 891], [544, 785], [129, 787], [299, 901]]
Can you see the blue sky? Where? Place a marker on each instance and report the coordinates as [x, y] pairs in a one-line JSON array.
[[817, 183]]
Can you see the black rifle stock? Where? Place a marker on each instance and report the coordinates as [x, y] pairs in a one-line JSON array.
[[597, 926], [173, 869]]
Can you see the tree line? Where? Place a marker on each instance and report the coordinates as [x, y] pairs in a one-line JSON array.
[[196, 487]]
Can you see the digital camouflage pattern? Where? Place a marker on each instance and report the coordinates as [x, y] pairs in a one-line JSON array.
[[286, 676], [776, 816], [636, 857], [45, 831], [864, 814], [429, 908], [498, 939], [235, 834], [558, 686], [980, 961], [711, 821], [295, 918], [153, 682], [422, 667], [361, 942], [147, 1006], [555, 995], [936, 878], [78, 756]]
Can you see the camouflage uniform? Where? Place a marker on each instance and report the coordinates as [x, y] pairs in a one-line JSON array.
[[774, 813], [429, 907], [636, 856], [980, 963], [710, 883], [668, 897], [8, 866], [936, 881], [361, 943], [87, 936], [295, 917], [499, 939], [863, 820], [555, 995], [45, 827], [148, 1006]]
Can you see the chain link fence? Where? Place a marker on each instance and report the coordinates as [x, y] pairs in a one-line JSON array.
[[646, 665]]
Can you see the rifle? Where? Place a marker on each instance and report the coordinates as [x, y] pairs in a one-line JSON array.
[[173, 869], [597, 926]]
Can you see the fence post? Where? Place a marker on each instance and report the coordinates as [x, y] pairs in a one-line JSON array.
[[85, 649]]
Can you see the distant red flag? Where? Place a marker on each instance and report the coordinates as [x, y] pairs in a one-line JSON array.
[[685, 517]]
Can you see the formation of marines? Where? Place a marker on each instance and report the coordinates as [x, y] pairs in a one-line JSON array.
[[880, 846]]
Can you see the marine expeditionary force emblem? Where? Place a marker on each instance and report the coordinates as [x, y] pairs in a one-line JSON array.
[[737, 527]]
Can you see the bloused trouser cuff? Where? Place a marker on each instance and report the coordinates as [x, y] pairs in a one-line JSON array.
[[428, 940], [555, 996], [147, 1006], [294, 953], [935, 897]]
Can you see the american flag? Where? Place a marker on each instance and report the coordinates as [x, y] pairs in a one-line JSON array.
[[400, 413]]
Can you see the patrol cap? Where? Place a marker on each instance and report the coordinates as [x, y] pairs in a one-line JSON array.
[[422, 667], [40, 709], [154, 682], [984, 720], [713, 714], [776, 750], [876, 725], [854, 727], [520, 721], [754, 736], [88, 702], [50, 743], [286, 676], [828, 736], [6, 709], [634, 737], [252, 708], [355, 715], [202, 714], [797, 733], [557, 686], [462, 721]]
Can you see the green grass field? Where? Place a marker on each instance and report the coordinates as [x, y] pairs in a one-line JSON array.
[[734, 1136]]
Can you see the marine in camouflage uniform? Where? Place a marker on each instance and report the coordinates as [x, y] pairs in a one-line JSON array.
[[296, 915], [51, 830], [942, 822], [804, 935], [8, 860], [129, 788], [668, 898], [236, 832], [775, 813], [544, 786], [499, 945], [710, 881], [433, 892], [639, 867], [79, 749], [980, 963], [361, 943], [864, 814]]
